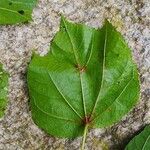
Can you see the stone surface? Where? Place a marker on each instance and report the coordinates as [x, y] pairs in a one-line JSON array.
[[131, 17]]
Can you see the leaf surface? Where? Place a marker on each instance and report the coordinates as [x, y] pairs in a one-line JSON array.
[[3, 90], [88, 77], [16, 11], [141, 141]]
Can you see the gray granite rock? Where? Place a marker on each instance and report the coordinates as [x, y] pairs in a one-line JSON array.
[[131, 17]]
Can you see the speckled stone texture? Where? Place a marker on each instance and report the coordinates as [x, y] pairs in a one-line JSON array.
[[131, 17]]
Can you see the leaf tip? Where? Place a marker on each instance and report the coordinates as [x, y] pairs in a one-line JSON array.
[[63, 19], [63, 23], [33, 54], [107, 23]]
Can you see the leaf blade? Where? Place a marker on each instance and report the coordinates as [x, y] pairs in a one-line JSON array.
[[3, 90], [115, 76], [12, 11], [141, 141], [90, 86]]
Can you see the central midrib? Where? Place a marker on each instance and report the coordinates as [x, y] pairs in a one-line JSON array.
[[77, 63]]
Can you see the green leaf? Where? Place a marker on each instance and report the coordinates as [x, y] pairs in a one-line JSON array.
[[87, 80], [3, 90], [141, 141], [16, 11]]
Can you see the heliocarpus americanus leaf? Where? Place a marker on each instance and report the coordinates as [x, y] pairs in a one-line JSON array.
[[3, 90], [141, 141], [87, 80], [16, 11]]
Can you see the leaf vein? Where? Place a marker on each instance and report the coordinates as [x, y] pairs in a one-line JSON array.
[[54, 116], [15, 12], [76, 58], [116, 97], [64, 97], [143, 147], [97, 99]]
